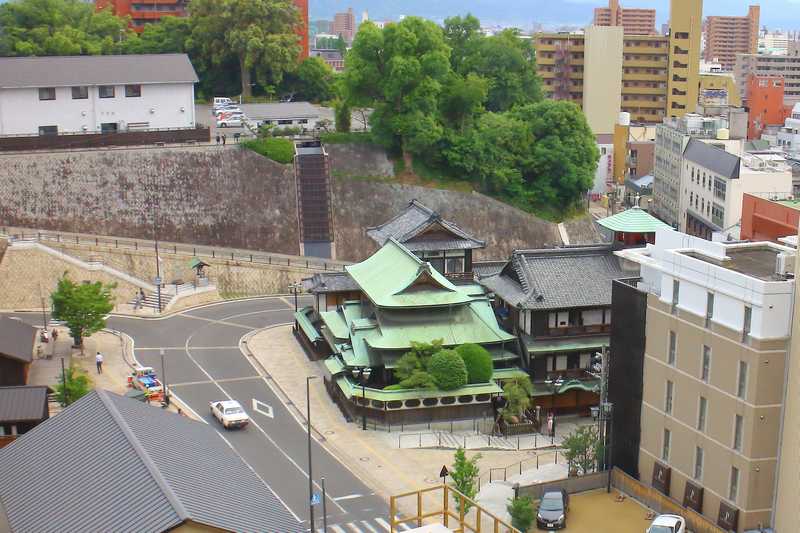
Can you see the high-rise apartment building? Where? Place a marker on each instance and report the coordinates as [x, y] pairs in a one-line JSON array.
[[632, 66], [718, 321], [143, 13], [685, 33], [728, 36], [787, 66], [344, 24], [635, 21]]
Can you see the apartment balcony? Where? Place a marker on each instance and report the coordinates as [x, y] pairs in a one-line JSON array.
[[656, 91], [542, 61], [644, 76], [646, 63], [647, 104], [639, 49]]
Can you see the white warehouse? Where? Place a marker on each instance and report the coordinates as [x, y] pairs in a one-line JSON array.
[[91, 94]]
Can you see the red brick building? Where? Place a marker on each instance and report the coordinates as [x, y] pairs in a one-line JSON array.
[[765, 103], [141, 13], [768, 220]]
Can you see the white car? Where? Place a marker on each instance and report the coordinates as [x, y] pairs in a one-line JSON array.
[[232, 122], [227, 110], [229, 413], [668, 523]]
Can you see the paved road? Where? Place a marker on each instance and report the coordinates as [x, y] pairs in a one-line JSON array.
[[204, 363]]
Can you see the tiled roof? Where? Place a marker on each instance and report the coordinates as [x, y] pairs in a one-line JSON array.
[[330, 282], [17, 339], [558, 278], [109, 463], [714, 159], [633, 220], [21, 404], [409, 226], [68, 71]]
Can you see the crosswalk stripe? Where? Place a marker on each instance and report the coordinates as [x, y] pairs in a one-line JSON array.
[[369, 527], [354, 528], [383, 523], [337, 529]]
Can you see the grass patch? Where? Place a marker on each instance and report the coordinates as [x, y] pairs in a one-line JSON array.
[[353, 137], [276, 148]]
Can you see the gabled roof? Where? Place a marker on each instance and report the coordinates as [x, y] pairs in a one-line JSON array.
[[420, 228], [125, 466], [16, 339], [330, 282], [714, 159], [559, 278], [23, 404], [68, 71], [633, 220], [395, 277]]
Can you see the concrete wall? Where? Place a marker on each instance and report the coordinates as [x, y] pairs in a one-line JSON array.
[[602, 73], [358, 160]]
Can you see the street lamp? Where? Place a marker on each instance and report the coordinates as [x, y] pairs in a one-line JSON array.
[[295, 288], [155, 241], [310, 474], [603, 414], [554, 384], [362, 374], [164, 377]]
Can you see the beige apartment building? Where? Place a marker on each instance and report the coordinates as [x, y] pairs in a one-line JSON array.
[[685, 35], [728, 36], [717, 333], [635, 21]]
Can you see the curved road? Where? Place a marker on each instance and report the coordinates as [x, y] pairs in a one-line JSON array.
[[204, 363]]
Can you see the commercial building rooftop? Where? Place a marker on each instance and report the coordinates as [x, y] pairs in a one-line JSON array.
[[757, 262]]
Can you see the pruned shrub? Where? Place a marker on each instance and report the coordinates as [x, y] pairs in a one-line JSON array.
[[478, 362], [448, 370]]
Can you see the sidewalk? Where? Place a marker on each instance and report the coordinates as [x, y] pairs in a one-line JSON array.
[[372, 455]]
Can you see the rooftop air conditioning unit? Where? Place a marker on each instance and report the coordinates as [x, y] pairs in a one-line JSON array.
[[784, 264]]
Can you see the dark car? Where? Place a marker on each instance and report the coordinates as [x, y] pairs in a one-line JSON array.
[[553, 510]]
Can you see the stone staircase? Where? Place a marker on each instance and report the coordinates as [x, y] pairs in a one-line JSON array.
[[168, 293]]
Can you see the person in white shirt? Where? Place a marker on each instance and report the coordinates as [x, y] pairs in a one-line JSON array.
[[98, 360]]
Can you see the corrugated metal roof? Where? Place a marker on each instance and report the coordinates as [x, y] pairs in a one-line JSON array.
[[559, 278], [17, 339], [714, 159], [109, 463], [633, 220], [69, 71], [24, 403], [409, 226]]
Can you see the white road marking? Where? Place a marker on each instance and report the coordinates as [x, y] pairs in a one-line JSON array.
[[206, 382], [193, 348], [264, 409], [383, 523], [369, 527], [337, 529], [348, 497], [354, 528]]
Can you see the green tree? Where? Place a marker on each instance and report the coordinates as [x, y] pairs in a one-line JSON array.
[[419, 379], [517, 393], [581, 449], [463, 35], [167, 36], [448, 370], [478, 362], [463, 100], [83, 307], [72, 385], [260, 34], [562, 158], [521, 512], [343, 115], [399, 71], [313, 80], [464, 474]]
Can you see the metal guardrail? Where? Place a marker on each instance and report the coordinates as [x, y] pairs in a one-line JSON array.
[[241, 256]]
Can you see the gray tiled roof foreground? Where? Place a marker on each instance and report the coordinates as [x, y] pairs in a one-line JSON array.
[[109, 463]]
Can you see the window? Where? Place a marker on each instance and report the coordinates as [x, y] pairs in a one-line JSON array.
[[734, 488], [673, 347], [106, 91], [701, 414], [741, 389], [676, 289], [668, 398], [48, 130], [709, 306], [108, 127], [285, 122], [47, 93], [80, 93], [303, 121], [737, 433], [133, 91], [14, 430], [698, 463], [665, 446], [705, 369], [748, 321]]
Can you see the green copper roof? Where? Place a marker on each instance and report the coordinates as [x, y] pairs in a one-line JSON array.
[[633, 220], [350, 389], [508, 373], [395, 277], [301, 316], [571, 344]]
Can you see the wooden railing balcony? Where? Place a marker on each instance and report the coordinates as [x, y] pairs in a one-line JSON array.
[[576, 331]]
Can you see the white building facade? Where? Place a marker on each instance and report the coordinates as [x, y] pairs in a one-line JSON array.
[[789, 133], [93, 94]]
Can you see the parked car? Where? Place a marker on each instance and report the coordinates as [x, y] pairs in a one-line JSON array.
[[668, 523], [220, 101], [227, 110], [230, 414], [553, 510], [232, 122]]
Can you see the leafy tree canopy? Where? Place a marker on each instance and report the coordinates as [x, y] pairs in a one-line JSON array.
[[448, 370], [582, 449], [464, 474], [313, 80], [73, 384], [83, 307], [478, 362]]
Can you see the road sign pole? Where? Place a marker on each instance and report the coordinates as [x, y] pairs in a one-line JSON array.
[[324, 509], [310, 474]]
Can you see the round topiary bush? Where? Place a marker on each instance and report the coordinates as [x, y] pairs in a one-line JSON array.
[[478, 362], [448, 370]]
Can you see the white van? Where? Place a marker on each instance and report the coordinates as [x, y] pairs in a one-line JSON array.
[[220, 101]]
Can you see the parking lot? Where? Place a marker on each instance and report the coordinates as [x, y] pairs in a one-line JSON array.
[[598, 512]]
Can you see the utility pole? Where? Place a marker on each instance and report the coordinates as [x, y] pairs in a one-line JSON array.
[[63, 385], [164, 375], [44, 309], [310, 474], [324, 509], [158, 261]]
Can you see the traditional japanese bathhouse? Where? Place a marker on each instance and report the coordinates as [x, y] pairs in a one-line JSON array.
[[442, 243], [632, 227], [558, 301]]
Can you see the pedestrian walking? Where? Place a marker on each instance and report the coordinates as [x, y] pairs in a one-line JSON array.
[[217, 139], [236, 137], [98, 361], [55, 334], [224, 139]]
